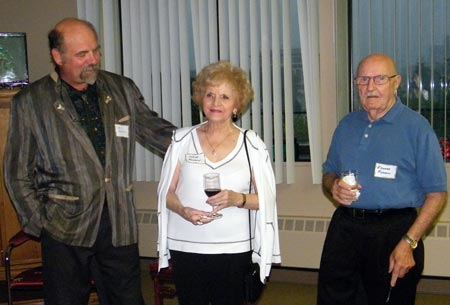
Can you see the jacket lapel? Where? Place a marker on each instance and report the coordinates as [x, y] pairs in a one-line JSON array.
[[64, 108]]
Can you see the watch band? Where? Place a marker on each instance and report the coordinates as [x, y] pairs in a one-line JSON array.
[[244, 200], [411, 241]]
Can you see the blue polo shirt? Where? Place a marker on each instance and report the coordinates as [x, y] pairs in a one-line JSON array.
[[398, 157]]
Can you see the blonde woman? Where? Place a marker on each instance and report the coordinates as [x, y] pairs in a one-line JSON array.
[[210, 255]]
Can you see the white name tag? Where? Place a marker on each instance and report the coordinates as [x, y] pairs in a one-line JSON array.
[[385, 171], [195, 158], [122, 131]]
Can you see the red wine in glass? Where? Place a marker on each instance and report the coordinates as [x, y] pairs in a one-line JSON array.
[[211, 192], [211, 185]]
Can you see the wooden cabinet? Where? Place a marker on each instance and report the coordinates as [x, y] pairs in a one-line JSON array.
[[28, 254]]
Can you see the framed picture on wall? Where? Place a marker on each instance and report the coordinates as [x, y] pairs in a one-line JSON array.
[[13, 60]]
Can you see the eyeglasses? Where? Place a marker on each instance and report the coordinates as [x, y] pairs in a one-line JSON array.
[[377, 79]]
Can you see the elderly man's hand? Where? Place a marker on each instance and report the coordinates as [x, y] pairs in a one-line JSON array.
[[400, 261], [344, 193]]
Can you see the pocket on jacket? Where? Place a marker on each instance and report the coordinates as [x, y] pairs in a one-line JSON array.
[[63, 205]]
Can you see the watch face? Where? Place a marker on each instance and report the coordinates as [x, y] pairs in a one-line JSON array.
[[411, 242]]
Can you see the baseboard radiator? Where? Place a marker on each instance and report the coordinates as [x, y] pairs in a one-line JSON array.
[[301, 240]]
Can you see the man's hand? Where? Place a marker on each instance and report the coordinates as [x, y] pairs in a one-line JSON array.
[[401, 261], [343, 192]]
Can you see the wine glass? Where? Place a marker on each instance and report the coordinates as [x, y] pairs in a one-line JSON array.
[[211, 185]]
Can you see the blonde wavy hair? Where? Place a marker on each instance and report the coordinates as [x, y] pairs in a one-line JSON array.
[[221, 72]]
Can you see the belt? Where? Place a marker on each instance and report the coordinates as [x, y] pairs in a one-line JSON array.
[[372, 213]]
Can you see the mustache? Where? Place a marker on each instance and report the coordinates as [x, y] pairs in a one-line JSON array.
[[91, 68], [89, 73], [369, 95]]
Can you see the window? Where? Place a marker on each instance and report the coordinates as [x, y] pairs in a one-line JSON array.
[[302, 152], [416, 34], [165, 43]]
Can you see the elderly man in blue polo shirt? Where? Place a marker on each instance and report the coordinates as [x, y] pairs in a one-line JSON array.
[[373, 253]]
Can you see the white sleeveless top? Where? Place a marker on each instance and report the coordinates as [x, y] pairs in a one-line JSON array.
[[229, 234]]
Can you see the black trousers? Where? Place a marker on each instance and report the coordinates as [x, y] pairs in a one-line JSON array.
[[203, 279], [68, 270], [355, 260]]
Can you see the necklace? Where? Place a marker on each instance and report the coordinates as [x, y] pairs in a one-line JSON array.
[[214, 148]]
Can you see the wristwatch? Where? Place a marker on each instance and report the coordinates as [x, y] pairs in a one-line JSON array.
[[411, 241]]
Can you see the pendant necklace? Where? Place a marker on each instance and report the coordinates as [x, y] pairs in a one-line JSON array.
[[214, 149]]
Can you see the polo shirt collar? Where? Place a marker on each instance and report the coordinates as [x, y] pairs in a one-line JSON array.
[[389, 117]]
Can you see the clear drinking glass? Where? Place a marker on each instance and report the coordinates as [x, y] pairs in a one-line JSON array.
[[211, 185], [351, 178]]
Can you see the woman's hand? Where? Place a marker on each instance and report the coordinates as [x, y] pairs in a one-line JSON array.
[[196, 217], [224, 199], [173, 203]]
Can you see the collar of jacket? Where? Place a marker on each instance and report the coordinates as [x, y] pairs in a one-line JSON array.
[[58, 85]]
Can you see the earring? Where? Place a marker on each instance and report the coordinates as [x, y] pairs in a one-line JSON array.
[[234, 115]]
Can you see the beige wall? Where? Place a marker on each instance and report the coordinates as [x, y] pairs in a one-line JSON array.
[[304, 212], [299, 203], [35, 18]]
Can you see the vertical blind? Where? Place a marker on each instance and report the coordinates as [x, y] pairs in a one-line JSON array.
[[416, 34], [166, 42], [104, 16]]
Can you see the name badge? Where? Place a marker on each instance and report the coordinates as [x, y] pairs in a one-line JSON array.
[[195, 158], [385, 171], [122, 131]]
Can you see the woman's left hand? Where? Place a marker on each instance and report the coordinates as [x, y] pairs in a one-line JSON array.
[[224, 199]]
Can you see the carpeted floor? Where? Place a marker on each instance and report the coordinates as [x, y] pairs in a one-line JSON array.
[[285, 289], [32, 296], [277, 292], [23, 295], [296, 294], [27, 298]]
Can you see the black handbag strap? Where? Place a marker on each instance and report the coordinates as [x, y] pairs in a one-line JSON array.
[[249, 188]]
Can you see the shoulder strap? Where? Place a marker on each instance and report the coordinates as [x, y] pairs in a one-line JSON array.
[[249, 188]]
